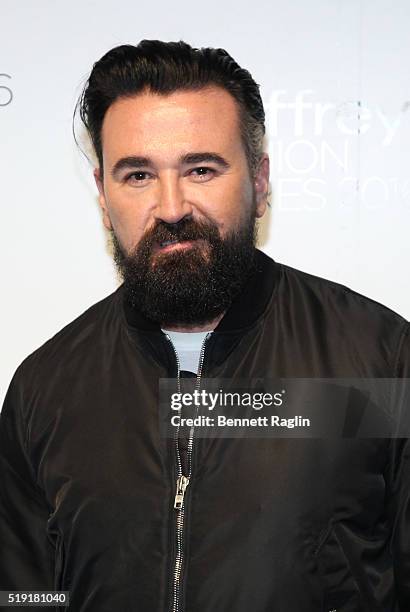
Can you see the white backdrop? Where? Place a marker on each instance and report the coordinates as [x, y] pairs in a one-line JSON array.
[[336, 83]]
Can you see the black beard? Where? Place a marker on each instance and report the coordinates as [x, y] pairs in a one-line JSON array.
[[187, 287]]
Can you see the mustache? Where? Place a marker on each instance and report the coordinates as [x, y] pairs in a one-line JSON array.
[[186, 229]]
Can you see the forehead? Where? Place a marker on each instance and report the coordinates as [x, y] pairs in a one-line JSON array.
[[206, 119]]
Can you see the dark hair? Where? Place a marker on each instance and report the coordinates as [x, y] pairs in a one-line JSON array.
[[165, 67]]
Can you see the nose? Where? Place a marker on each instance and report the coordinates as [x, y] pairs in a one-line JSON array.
[[172, 204]]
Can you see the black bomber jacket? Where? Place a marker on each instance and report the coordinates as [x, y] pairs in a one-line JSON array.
[[88, 484]]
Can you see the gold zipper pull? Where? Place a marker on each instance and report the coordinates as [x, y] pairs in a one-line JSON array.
[[182, 484]]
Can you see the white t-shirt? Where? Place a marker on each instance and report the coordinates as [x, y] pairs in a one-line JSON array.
[[188, 346]]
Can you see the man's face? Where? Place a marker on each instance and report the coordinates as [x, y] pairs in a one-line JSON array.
[[173, 161]]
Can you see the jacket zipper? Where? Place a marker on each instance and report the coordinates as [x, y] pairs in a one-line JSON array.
[[183, 480]]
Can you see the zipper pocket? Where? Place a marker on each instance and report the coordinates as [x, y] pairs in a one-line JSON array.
[[341, 592]]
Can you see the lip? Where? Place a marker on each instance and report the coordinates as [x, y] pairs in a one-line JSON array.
[[175, 246]]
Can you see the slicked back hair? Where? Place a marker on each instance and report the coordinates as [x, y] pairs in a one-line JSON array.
[[164, 68]]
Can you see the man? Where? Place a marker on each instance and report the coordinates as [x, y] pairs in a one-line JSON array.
[[94, 500]]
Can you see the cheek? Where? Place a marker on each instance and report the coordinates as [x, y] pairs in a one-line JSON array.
[[237, 205], [226, 201], [129, 222]]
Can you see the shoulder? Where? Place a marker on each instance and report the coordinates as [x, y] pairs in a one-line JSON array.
[[84, 335], [341, 318], [346, 301]]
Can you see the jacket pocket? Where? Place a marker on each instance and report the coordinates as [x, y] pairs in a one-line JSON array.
[[340, 589]]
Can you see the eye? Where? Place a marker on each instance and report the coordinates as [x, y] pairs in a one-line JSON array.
[[202, 174], [137, 178]]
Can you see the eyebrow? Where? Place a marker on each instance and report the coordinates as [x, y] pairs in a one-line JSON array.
[[135, 161]]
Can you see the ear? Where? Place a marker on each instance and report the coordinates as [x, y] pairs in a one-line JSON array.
[[261, 184], [101, 198]]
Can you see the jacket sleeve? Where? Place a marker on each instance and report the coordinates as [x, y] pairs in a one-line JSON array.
[[398, 475], [26, 554]]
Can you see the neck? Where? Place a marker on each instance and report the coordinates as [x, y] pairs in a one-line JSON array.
[[195, 328]]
